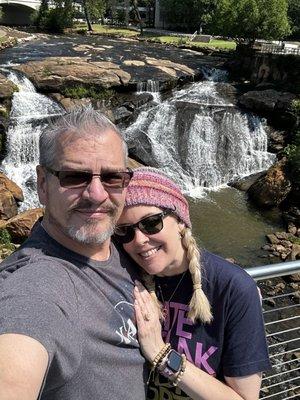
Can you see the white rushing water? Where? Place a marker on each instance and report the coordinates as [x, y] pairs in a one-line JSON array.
[[200, 138], [28, 114], [197, 137]]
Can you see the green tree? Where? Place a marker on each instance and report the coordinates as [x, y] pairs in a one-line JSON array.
[[294, 18], [95, 9], [56, 18], [188, 14], [247, 20]]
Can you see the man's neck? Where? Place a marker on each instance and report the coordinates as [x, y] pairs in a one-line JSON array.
[[97, 252]]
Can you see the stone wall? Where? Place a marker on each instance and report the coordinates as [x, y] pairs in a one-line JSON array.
[[278, 69]]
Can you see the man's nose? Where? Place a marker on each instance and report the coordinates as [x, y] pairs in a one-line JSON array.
[[95, 191]]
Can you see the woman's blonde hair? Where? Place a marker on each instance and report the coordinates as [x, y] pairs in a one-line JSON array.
[[199, 307], [152, 187]]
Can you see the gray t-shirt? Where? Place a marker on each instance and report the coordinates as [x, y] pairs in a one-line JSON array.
[[81, 311]]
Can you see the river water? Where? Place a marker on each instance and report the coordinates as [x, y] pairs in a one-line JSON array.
[[197, 136]]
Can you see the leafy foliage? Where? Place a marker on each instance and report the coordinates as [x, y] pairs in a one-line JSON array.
[[187, 13], [55, 19], [80, 92], [294, 17], [292, 151], [247, 20]]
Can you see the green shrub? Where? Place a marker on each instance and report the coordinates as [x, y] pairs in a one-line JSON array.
[[80, 92], [5, 237]]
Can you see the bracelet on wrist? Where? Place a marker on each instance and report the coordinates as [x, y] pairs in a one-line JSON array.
[[158, 358]]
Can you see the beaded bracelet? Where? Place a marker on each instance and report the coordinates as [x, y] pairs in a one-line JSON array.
[[181, 372], [158, 358], [161, 354]]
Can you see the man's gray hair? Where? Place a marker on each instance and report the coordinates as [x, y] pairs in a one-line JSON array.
[[79, 121]]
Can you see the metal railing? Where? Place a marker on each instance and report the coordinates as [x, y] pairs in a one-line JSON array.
[[281, 310], [277, 49]]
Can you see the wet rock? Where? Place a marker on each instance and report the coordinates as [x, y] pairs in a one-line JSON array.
[[272, 238], [11, 186], [8, 205], [266, 101], [245, 182], [295, 253], [7, 88], [56, 73], [19, 227], [272, 188], [292, 229]]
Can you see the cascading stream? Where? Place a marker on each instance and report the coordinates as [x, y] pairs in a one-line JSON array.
[[200, 138], [27, 118]]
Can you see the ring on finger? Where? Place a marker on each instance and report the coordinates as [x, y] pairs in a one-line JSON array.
[[147, 317]]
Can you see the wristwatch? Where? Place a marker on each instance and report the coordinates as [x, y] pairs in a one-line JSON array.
[[171, 364]]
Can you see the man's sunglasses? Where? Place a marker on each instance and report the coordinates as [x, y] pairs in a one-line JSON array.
[[80, 179], [148, 225]]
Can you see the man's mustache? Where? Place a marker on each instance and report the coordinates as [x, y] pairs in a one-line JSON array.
[[90, 206]]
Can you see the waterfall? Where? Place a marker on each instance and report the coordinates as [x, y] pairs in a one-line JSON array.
[[199, 138], [150, 86], [28, 116]]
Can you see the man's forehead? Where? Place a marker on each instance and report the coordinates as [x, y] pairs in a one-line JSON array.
[[104, 147]]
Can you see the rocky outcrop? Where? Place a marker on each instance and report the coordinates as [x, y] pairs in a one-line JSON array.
[[11, 186], [8, 205], [10, 194], [7, 88], [55, 73], [267, 101], [284, 245], [272, 188], [19, 227]]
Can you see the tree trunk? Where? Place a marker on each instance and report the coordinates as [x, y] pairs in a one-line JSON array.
[[87, 17], [138, 15], [126, 5]]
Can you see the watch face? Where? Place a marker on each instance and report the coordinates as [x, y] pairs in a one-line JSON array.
[[174, 361]]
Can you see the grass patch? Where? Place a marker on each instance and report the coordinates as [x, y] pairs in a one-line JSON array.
[[80, 92], [180, 40], [108, 30]]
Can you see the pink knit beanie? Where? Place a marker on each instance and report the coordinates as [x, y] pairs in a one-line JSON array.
[[152, 187]]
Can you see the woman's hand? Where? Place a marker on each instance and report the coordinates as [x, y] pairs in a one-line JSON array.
[[148, 323]]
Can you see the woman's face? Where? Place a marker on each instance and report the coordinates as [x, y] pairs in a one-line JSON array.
[[158, 254]]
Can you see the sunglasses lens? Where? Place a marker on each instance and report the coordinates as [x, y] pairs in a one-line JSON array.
[[124, 234], [152, 224], [149, 225], [73, 179], [115, 179]]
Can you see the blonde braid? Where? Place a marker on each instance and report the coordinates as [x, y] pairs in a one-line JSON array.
[[150, 286], [199, 305]]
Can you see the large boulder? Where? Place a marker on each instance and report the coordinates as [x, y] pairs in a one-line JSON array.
[[272, 188], [56, 73], [8, 205], [7, 88], [11, 186], [19, 227], [266, 101]]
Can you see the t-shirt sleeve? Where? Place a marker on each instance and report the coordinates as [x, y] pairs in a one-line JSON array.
[[43, 306], [245, 349]]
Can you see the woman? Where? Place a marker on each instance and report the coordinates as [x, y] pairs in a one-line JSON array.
[[211, 345]]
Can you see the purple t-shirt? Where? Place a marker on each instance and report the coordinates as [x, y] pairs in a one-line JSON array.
[[234, 344]]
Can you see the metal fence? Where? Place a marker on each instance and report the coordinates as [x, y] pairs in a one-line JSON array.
[[281, 310], [279, 49]]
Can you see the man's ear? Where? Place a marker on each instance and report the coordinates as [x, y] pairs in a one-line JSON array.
[[41, 184]]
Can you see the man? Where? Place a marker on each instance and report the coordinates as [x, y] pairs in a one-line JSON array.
[[66, 330]]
